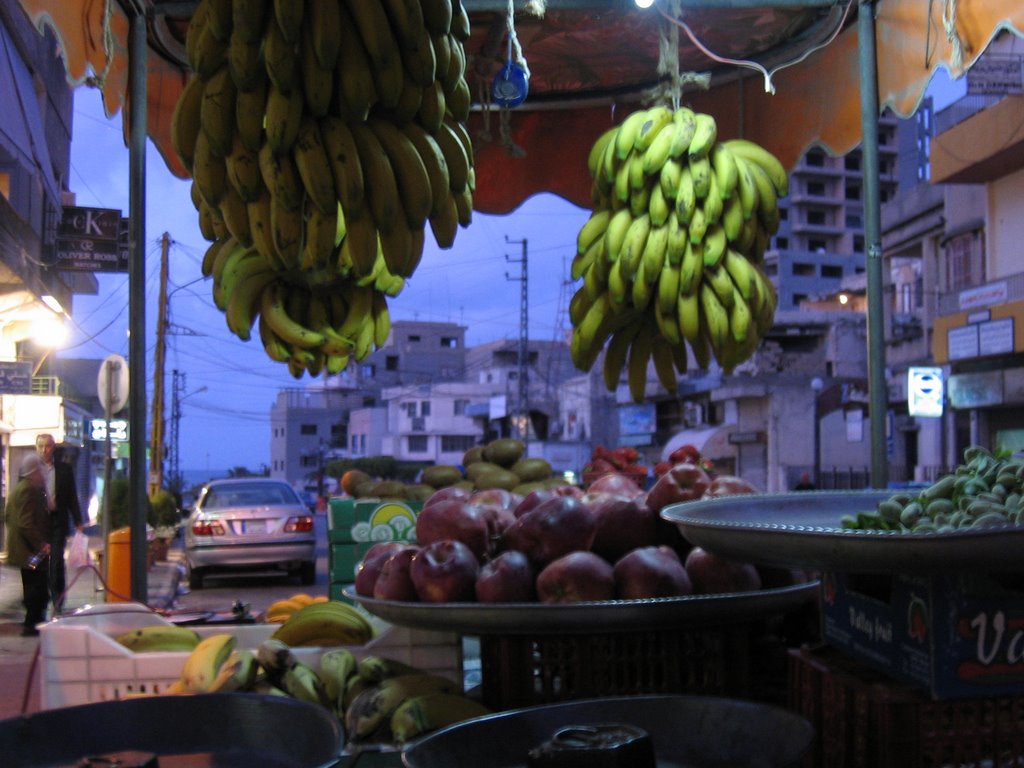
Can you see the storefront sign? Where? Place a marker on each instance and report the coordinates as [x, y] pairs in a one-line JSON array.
[[15, 377], [924, 391], [996, 337], [984, 295], [92, 240], [973, 390], [118, 430], [996, 73]]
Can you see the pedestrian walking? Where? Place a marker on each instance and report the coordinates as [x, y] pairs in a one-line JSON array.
[[62, 501], [28, 540]]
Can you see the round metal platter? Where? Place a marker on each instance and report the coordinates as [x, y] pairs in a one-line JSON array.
[[686, 732], [605, 615], [802, 530]]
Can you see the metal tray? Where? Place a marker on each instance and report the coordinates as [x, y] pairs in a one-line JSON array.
[[687, 732], [598, 616], [802, 530], [218, 730]]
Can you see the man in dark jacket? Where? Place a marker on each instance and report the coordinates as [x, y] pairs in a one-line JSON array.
[[62, 501], [28, 534]]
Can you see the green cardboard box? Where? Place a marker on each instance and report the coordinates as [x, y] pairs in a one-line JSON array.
[[370, 520], [342, 560]]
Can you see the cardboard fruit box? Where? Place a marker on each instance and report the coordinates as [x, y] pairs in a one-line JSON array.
[[955, 635], [353, 521]]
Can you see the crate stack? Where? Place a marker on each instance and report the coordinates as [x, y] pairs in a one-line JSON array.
[[915, 671], [355, 525]]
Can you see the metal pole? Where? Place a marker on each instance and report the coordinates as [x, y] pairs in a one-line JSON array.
[[107, 469], [137, 302], [877, 392]]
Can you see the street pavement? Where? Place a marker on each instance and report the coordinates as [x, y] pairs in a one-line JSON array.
[[19, 656]]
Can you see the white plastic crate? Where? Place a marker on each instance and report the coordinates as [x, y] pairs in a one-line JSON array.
[[81, 663]]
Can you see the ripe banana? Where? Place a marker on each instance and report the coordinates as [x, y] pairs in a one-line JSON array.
[[761, 157], [337, 665], [380, 185], [237, 674], [287, 328], [185, 121], [381, 47], [639, 356], [615, 354], [355, 90], [410, 171], [300, 681], [333, 621], [704, 135], [372, 709], [159, 637], [421, 714], [203, 664]]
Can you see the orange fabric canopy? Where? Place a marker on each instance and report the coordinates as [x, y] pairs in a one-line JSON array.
[[589, 68]]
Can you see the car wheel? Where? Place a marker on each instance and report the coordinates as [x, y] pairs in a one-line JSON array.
[[195, 578], [307, 573]]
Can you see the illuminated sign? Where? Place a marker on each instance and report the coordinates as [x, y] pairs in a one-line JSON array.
[[118, 430], [924, 391]]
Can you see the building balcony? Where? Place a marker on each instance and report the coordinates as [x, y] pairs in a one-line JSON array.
[[823, 229], [981, 148]]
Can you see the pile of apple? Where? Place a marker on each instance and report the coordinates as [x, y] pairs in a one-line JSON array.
[[557, 545]]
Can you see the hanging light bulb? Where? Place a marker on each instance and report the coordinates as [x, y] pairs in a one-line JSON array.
[[644, 3]]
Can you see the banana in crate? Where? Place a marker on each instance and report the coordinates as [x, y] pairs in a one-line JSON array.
[[672, 255], [323, 140]]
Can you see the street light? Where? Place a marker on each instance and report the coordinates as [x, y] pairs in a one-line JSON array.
[[816, 386]]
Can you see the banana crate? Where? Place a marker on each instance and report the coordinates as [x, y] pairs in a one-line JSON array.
[[81, 663]]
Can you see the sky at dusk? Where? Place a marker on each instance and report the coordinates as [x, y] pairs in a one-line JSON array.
[[228, 424]]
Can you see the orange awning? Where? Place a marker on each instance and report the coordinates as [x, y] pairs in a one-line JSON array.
[[589, 65]]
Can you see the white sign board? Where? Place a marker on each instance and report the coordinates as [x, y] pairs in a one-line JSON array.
[[924, 391]]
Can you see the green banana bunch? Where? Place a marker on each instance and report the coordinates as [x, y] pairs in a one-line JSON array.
[[369, 714], [670, 256], [323, 137]]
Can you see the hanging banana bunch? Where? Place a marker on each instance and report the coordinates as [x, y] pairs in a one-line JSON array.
[[671, 256], [323, 138]]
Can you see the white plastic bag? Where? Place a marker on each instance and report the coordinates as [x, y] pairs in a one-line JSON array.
[[78, 552]]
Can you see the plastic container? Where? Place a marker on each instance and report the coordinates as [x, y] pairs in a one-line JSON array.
[[81, 663], [119, 565], [866, 720]]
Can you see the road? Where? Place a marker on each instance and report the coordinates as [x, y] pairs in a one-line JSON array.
[[255, 589]]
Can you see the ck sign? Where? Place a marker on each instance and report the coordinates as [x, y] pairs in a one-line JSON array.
[[91, 240]]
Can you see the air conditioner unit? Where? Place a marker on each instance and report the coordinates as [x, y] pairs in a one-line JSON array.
[[693, 415]]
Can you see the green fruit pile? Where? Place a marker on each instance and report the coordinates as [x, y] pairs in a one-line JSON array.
[[984, 491], [671, 256], [322, 138]]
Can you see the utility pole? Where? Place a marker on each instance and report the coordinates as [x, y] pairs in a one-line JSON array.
[[523, 404], [156, 435], [174, 468]]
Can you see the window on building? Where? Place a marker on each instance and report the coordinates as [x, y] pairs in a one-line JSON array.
[[815, 158], [369, 402], [459, 407], [782, 243], [783, 213], [853, 190], [391, 363], [355, 443], [457, 443], [308, 461], [367, 371], [771, 268], [817, 245], [816, 188], [449, 342], [858, 243], [854, 221], [416, 443], [425, 408], [307, 429], [362, 444], [801, 269], [961, 251], [409, 408], [852, 162], [832, 271], [414, 338], [799, 298], [816, 217]]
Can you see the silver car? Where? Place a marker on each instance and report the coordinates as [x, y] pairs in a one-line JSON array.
[[250, 523]]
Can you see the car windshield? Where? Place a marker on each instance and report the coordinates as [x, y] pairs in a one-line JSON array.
[[249, 495]]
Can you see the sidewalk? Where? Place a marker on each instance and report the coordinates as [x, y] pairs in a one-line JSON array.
[[18, 654]]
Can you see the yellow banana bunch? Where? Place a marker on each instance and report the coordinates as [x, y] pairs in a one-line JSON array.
[[670, 255], [328, 623], [159, 637], [324, 136]]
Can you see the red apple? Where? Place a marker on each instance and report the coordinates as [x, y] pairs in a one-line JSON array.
[[508, 578], [448, 492], [617, 483], [622, 523], [533, 499], [369, 567], [576, 577], [445, 571], [712, 575], [651, 572], [455, 518], [729, 485], [554, 528], [684, 482], [394, 581], [495, 497]]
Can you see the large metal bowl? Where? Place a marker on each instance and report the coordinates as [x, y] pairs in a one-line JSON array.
[[802, 530], [687, 732], [225, 730]]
